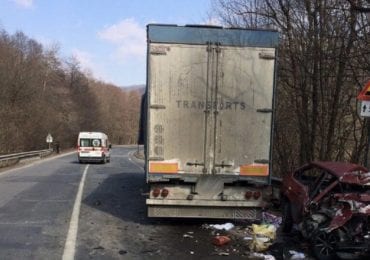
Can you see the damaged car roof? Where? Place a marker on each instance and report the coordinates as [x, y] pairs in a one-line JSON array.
[[345, 172]]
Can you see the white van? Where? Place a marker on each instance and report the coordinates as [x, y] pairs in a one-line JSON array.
[[93, 147]]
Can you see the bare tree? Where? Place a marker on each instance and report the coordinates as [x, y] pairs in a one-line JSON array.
[[41, 93], [320, 72]]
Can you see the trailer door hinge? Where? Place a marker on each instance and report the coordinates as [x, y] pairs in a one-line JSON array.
[[264, 161], [158, 106], [195, 164], [266, 55], [264, 110]]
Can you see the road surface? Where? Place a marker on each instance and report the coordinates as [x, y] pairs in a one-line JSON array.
[[59, 209]]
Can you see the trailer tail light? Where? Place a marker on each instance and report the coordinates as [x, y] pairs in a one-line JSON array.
[[248, 194], [156, 192], [164, 193], [256, 195]]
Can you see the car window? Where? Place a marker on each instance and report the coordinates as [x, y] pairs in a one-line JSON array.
[[315, 179], [321, 183], [308, 176], [96, 142], [84, 142]]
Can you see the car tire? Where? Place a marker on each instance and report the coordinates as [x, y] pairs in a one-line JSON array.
[[287, 219], [323, 245]]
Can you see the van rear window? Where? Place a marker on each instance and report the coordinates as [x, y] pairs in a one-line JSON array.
[[86, 142]]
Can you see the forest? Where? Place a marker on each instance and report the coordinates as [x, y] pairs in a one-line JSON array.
[[41, 93], [323, 63]]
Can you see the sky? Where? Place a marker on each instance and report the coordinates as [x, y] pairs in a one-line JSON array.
[[107, 37]]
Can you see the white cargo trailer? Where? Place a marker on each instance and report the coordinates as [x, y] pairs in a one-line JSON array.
[[209, 119]]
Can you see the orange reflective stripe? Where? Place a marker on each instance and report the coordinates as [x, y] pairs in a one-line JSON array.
[[163, 167], [254, 169]]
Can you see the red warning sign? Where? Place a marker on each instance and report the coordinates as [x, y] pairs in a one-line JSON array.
[[365, 93]]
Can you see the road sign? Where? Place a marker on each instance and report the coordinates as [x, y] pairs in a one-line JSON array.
[[365, 93], [49, 139], [365, 108]]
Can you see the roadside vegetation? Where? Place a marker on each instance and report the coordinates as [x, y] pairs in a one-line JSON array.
[[324, 62], [41, 93]]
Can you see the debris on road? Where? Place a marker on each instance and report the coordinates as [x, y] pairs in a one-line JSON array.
[[296, 255], [220, 240], [187, 236], [263, 237], [97, 203], [122, 252], [223, 254], [262, 256], [269, 218], [226, 226]]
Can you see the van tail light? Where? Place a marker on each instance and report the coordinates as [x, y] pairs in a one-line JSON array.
[[164, 193], [256, 195], [156, 192]]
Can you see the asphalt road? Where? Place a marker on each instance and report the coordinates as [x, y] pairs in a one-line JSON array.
[[59, 209]]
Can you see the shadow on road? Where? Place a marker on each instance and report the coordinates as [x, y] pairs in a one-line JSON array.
[[123, 196], [120, 195]]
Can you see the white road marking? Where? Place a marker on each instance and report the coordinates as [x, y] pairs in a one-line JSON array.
[[70, 245], [134, 162]]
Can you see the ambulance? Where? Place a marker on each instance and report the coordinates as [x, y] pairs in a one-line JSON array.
[[93, 147]]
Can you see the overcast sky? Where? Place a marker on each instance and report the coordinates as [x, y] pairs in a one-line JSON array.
[[108, 37]]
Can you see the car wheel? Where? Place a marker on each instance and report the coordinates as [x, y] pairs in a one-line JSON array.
[[287, 219], [323, 244]]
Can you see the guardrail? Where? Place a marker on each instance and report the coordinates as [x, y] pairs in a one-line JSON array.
[[10, 159]]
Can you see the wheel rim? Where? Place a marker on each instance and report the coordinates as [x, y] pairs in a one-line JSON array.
[[325, 244]]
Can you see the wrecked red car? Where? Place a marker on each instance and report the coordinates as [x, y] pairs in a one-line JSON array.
[[329, 202]]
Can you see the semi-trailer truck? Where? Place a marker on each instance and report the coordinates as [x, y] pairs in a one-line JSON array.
[[209, 110]]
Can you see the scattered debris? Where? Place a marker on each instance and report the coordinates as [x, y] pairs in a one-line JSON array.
[[220, 240], [263, 237], [226, 226], [97, 203], [223, 254], [263, 256], [296, 255], [122, 252], [192, 252], [99, 248], [187, 236], [248, 238], [269, 218]]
